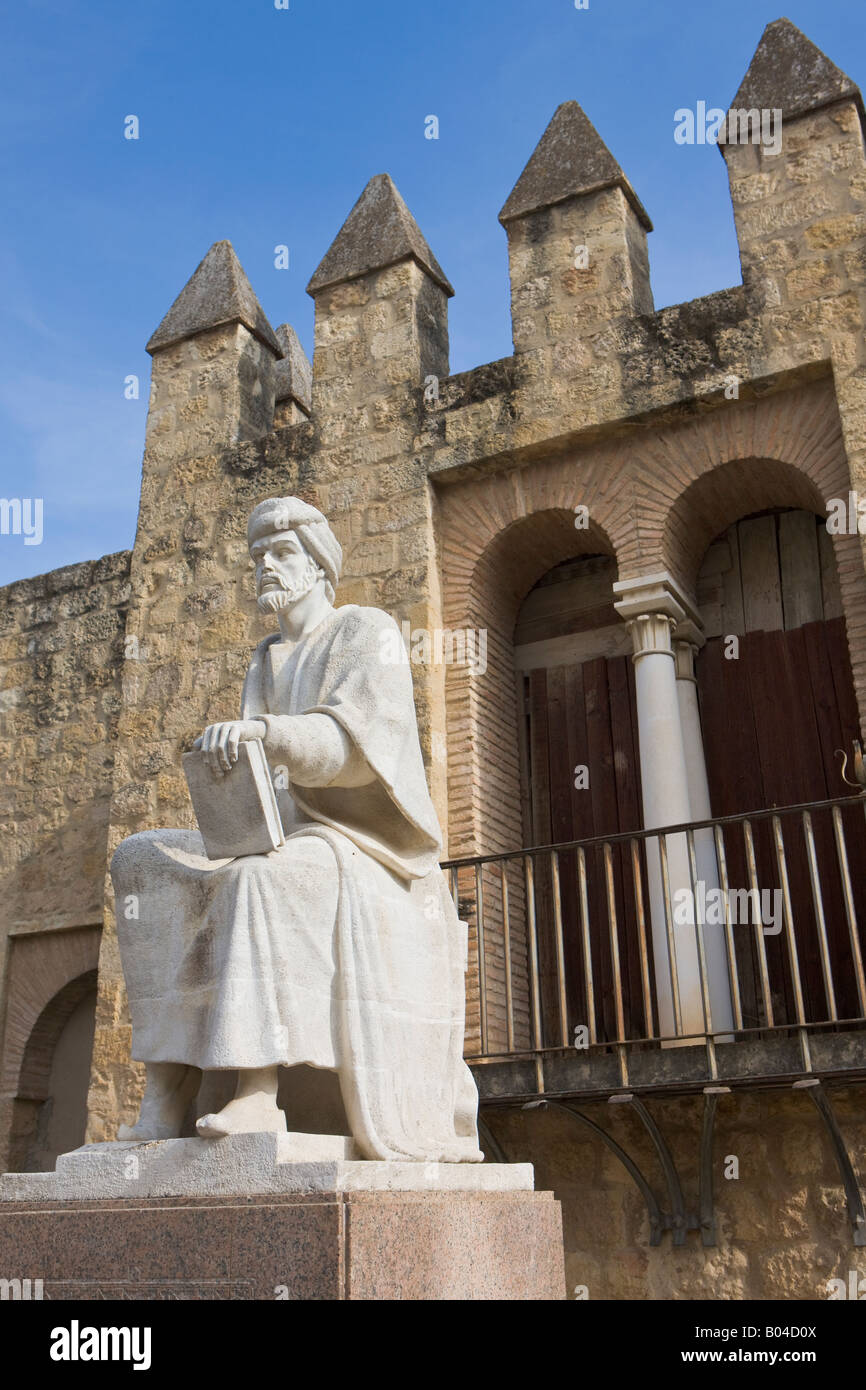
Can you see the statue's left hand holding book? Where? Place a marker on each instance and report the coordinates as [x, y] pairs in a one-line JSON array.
[[236, 810]]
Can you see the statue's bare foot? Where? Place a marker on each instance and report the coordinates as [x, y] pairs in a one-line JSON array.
[[169, 1088], [254, 1109], [246, 1115]]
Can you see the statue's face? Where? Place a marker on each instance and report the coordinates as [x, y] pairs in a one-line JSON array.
[[285, 571]]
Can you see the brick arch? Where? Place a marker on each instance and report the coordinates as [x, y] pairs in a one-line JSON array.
[[717, 499], [35, 1074], [499, 567], [517, 557], [48, 976], [784, 451], [478, 515], [789, 450]]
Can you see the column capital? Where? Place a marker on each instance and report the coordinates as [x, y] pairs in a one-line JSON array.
[[651, 633], [684, 659], [656, 593]]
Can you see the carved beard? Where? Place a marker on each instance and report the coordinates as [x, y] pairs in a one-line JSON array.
[[273, 600]]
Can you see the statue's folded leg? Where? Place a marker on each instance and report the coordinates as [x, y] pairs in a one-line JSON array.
[[229, 965]]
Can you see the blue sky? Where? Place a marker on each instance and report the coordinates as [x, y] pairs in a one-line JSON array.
[[262, 126]]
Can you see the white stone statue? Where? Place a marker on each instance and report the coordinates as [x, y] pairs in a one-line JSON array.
[[341, 949]]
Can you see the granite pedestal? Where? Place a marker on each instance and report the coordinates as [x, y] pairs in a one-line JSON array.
[[267, 1216]]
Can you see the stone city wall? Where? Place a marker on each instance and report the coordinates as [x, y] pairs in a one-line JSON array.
[[61, 652]]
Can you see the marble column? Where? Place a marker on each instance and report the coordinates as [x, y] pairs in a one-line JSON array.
[[687, 642], [652, 608]]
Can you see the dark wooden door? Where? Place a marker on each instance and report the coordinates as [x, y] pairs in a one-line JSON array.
[[772, 719], [583, 717]]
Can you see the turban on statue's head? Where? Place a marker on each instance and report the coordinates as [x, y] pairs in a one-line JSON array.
[[291, 514]]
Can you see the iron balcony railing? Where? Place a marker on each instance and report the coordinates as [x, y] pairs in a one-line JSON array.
[[715, 931]]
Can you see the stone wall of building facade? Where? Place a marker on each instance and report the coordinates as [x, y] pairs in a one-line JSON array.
[[782, 1229], [61, 650]]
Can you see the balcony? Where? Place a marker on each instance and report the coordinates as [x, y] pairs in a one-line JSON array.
[[708, 958], [726, 952]]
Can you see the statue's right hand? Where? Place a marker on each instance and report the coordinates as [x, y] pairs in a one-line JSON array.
[[219, 742]]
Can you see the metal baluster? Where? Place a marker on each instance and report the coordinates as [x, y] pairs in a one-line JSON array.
[[482, 963], [850, 913], [699, 935], [669, 927], [646, 988], [614, 942], [782, 865], [722, 864], [535, 992], [818, 903], [762, 950], [586, 945], [506, 945], [560, 948]]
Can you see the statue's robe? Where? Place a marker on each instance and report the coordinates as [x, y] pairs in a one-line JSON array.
[[342, 949]]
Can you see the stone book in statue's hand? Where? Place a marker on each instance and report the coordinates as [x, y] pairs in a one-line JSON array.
[[236, 811]]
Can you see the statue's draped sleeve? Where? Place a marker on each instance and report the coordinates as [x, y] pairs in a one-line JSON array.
[[347, 670], [316, 750]]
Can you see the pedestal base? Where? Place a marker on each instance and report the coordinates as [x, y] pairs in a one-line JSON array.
[[244, 1165], [277, 1216], [349, 1245]]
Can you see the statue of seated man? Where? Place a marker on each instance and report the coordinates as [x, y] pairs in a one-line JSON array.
[[341, 949]]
